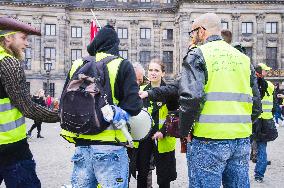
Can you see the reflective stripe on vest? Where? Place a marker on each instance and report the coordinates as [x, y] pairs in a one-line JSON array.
[[167, 143], [12, 125], [226, 113], [12, 122], [223, 96], [5, 107], [110, 134], [224, 119], [267, 102]]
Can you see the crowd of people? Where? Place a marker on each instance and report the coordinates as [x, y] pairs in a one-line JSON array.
[[223, 103]]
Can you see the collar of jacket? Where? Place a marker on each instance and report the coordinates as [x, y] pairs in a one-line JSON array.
[[213, 38], [149, 86]]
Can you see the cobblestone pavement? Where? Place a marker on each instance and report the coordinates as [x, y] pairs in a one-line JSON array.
[[52, 154]]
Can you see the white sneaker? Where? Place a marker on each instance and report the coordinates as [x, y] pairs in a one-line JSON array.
[[276, 125]]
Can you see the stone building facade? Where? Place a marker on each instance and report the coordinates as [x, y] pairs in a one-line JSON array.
[[147, 28]]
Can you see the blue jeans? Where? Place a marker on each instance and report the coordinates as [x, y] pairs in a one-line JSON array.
[[106, 165], [261, 157], [213, 162], [20, 174], [188, 153]]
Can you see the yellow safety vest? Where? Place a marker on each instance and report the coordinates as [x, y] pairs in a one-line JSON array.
[[12, 122], [167, 143], [227, 110], [267, 102], [110, 134]]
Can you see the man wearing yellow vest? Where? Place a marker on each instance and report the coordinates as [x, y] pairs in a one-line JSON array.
[[17, 167], [100, 159], [219, 99], [264, 128]]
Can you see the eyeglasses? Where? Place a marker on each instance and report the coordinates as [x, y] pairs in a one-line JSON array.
[[190, 33]]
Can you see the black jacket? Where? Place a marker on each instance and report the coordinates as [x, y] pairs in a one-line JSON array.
[[167, 93], [191, 89], [125, 87], [164, 95]]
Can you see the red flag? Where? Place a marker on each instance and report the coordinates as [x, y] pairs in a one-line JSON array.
[[94, 30]]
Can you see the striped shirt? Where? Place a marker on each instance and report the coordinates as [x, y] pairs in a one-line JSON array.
[[13, 83]]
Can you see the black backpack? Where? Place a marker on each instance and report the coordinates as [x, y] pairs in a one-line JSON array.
[[85, 94]]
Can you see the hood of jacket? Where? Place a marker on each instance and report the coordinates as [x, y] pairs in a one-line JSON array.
[[106, 41]]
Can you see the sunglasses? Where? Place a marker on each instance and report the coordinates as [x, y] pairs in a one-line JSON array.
[[190, 33]]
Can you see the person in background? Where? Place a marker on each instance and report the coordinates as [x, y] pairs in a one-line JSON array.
[[132, 152], [227, 35], [48, 101], [55, 104], [39, 99], [17, 166]]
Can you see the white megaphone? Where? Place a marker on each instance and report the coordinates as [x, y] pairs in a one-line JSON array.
[[140, 125]]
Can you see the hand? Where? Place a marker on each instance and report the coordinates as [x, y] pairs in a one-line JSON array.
[[280, 95], [143, 94], [188, 138], [119, 114], [158, 135]]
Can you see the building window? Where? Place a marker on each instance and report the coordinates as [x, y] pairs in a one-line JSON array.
[[225, 25], [247, 28], [123, 54], [122, 33], [51, 89], [145, 58], [28, 85], [28, 59], [271, 27], [76, 54], [168, 61], [167, 1], [145, 1], [168, 34], [122, 1], [249, 53], [76, 32], [145, 33], [271, 57], [50, 29], [50, 55]]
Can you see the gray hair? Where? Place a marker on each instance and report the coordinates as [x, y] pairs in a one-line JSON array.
[[139, 67]]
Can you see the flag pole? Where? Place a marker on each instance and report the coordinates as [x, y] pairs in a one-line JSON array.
[[96, 19]]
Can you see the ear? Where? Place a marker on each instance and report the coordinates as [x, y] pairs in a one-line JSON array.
[[8, 38], [163, 74]]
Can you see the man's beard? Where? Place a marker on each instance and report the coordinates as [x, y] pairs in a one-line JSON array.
[[17, 53]]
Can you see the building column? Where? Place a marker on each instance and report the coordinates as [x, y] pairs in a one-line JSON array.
[[157, 39], [184, 28], [37, 23], [281, 66], [62, 53], [177, 60], [235, 27], [260, 43], [134, 35]]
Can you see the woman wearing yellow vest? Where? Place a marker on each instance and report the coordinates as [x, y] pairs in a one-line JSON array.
[[162, 146]]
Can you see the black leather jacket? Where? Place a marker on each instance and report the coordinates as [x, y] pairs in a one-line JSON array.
[[191, 88]]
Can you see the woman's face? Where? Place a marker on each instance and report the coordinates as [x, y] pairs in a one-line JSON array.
[[155, 73]]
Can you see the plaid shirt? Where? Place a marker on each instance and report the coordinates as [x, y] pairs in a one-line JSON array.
[[13, 80]]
